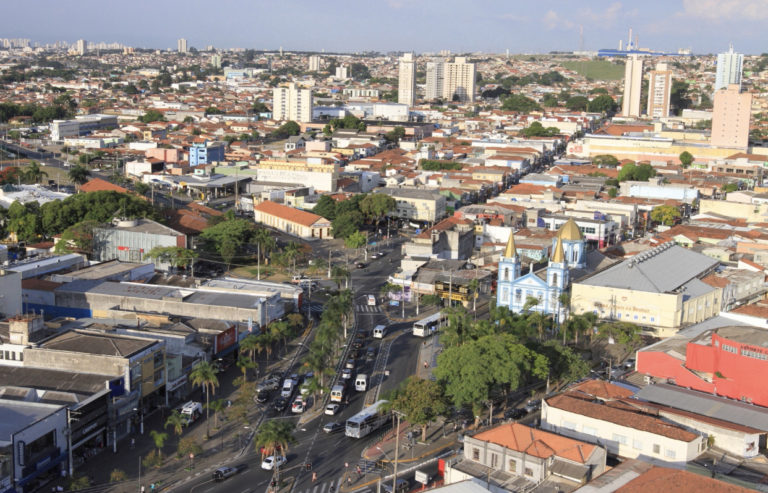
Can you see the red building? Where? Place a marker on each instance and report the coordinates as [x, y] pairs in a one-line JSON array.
[[729, 361]]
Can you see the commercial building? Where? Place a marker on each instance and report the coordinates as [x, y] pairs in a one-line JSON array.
[[292, 103], [459, 80], [633, 81], [314, 63], [659, 90], [435, 78], [10, 293], [292, 221], [181, 45], [81, 125], [406, 87], [416, 204], [321, 173], [730, 117], [131, 240], [729, 65], [81, 47], [205, 153]]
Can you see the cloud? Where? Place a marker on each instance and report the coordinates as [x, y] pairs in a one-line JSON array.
[[553, 21], [719, 10], [603, 18], [515, 17]]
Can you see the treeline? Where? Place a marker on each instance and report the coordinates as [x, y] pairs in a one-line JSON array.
[[436, 165], [38, 113]]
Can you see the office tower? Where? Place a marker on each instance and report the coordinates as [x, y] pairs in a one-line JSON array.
[[181, 45], [81, 47], [435, 78], [730, 117], [314, 63], [342, 73], [633, 81], [728, 69], [459, 80], [216, 61], [292, 103], [659, 90], [406, 87]]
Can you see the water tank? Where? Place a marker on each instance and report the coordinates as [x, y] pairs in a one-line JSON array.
[[127, 223]]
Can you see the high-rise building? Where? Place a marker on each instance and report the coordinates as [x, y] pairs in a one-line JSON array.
[[435, 78], [292, 103], [659, 90], [314, 63], [728, 69], [459, 80], [81, 47], [730, 117], [633, 82], [181, 45], [216, 61], [406, 87], [342, 72]]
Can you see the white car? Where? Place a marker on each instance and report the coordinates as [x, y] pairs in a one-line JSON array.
[[346, 373], [332, 409], [371, 300], [298, 405], [270, 462]]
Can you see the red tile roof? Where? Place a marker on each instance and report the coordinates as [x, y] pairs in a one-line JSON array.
[[288, 213], [98, 185], [679, 481], [538, 443], [602, 389]]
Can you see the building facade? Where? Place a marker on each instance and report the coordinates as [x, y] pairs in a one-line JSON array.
[[292, 221], [435, 78], [659, 90], [729, 67], [406, 87], [131, 241], [633, 81], [292, 103], [730, 117], [314, 63], [415, 204], [206, 153], [181, 45], [459, 80], [322, 175]]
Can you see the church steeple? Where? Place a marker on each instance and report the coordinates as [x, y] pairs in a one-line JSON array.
[[510, 251], [558, 256]]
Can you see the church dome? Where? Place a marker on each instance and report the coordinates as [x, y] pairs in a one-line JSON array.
[[570, 231]]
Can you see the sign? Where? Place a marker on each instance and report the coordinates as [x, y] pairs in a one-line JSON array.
[[422, 477], [225, 339]]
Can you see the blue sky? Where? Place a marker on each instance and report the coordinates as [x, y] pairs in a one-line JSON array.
[[705, 26]]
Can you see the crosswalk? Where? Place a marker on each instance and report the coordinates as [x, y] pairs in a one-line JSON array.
[[367, 309], [325, 487]]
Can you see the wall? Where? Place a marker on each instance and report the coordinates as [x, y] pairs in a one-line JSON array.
[[10, 293], [57, 422], [75, 361], [738, 443]]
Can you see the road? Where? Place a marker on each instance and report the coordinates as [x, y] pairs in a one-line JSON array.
[[328, 453]]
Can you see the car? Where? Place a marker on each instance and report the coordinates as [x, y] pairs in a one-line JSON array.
[[280, 404], [515, 413], [273, 461], [332, 408], [223, 473], [370, 353], [304, 389], [630, 363], [298, 405], [269, 384], [402, 486], [355, 354], [350, 364], [358, 344], [297, 279], [360, 265], [332, 427], [532, 406], [377, 255], [262, 396], [346, 373], [371, 300]]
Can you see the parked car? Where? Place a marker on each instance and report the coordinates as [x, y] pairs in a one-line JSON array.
[[269, 384], [298, 405], [532, 406], [263, 396], [370, 353], [346, 373], [332, 409], [515, 413], [280, 404], [273, 461], [630, 363], [360, 265], [350, 364], [333, 427]]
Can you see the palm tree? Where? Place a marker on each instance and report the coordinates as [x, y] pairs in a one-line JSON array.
[[78, 174], [176, 422], [245, 363], [530, 302], [565, 302], [33, 172], [280, 330], [218, 405], [273, 437], [291, 251], [317, 361], [265, 243], [251, 345], [159, 438], [339, 273], [266, 340], [474, 286], [204, 374], [538, 319]]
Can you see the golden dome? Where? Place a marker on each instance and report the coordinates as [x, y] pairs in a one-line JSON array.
[[510, 251], [570, 231], [558, 256]]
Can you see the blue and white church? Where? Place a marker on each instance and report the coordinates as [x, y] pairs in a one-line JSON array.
[[513, 287]]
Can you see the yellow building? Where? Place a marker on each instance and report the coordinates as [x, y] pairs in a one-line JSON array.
[[649, 147]]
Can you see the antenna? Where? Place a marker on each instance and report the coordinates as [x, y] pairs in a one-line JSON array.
[[581, 38]]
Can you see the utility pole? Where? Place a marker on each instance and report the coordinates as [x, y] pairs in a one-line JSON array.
[[329, 263], [397, 451]]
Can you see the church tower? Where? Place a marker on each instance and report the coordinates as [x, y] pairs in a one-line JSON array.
[[509, 271], [573, 244]]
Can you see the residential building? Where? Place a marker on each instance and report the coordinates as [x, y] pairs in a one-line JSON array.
[[427, 206], [292, 103], [205, 153], [314, 63], [292, 221], [659, 289], [623, 430], [81, 47], [730, 117], [597, 233], [342, 72], [435, 79], [659, 90], [515, 457], [451, 238], [216, 61], [729, 65], [130, 240], [406, 87], [459, 80], [633, 81], [181, 45]]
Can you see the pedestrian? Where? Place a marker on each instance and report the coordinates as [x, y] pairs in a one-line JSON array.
[[359, 471], [142, 488], [133, 443], [314, 476], [349, 480], [426, 364]]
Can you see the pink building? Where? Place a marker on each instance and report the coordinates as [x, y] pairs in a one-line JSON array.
[[167, 155], [730, 117]]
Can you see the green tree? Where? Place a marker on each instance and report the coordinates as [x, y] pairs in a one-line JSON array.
[[217, 406], [33, 173], [375, 206], [339, 275], [422, 401], [536, 129], [602, 104], [605, 160], [665, 214], [175, 421], [519, 103], [259, 107], [78, 174], [346, 223], [204, 374], [228, 237], [159, 438], [577, 103], [273, 437], [566, 365], [188, 445], [79, 483], [634, 172], [686, 158], [175, 256], [141, 188], [325, 207], [395, 134], [117, 475], [549, 101], [613, 192], [678, 97], [624, 333], [152, 116], [288, 129]]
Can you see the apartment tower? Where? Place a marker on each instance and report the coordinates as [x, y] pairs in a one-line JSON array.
[[459, 80], [729, 66], [406, 86], [181, 45], [633, 81], [730, 117], [314, 63], [435, 78], [292, 103], [81, 47], [659, 90]]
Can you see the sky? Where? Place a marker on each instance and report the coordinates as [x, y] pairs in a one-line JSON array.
[[491, 26]]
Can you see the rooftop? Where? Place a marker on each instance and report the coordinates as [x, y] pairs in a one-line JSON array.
[[15, 415], [98, 344], [537, 443], [679, 481]]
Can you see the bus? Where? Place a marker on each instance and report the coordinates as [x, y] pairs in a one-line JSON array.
[[429, 325], [366, 421]]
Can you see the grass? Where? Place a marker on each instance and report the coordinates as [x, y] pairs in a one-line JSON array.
[[596, 69]]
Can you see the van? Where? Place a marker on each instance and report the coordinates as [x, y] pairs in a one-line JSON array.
[[288, 387], [361, 382], [337, 393], [380, 332]]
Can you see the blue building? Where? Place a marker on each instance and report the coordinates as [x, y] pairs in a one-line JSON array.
[[206, 154], [514, 288]]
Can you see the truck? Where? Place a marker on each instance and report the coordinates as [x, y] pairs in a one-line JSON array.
[[191, 411]]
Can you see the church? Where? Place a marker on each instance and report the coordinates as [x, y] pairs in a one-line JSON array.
[[513, 288]]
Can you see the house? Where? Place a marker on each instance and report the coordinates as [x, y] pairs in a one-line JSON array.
[[451, 238], [515, 457], [416, 204], [292, 221]]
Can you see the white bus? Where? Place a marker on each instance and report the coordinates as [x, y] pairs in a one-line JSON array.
[[429, 325], [366, 421]]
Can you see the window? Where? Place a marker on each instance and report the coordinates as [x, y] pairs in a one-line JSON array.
[[589, 430], [619, 438], [529, 471], [554, 278], [729, 348], [512, 465], [494, 460], [670, 454], [518, 295], [570, 425], [476, 454], [637, 444], [158, 359], [656, 448], [506, 273]]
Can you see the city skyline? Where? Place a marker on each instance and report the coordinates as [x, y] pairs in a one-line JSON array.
[[704, 26]]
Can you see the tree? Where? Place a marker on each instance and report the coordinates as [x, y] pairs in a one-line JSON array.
[[204, 374], [152, 116], [549, 101], [142, 188], [245, 363], [375, 206], [33, 173], [175, 256], [78, 174], [78, 237], [577, 103], [339, 274], [422, 401], [602, 104], [159, 438], [625, 333], [287, 129], [228, 237], [325, 207], [188, 445], [259, 107], [536, 129], [346, 223], [395, 134], [175, 421], [79, 483], [519, 103], [686, 158], [678, 97], [217, 406], [613, 192], [634, 172], [273, 438], [117, 475], [605, 160], [565, 364], [667, 215]]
